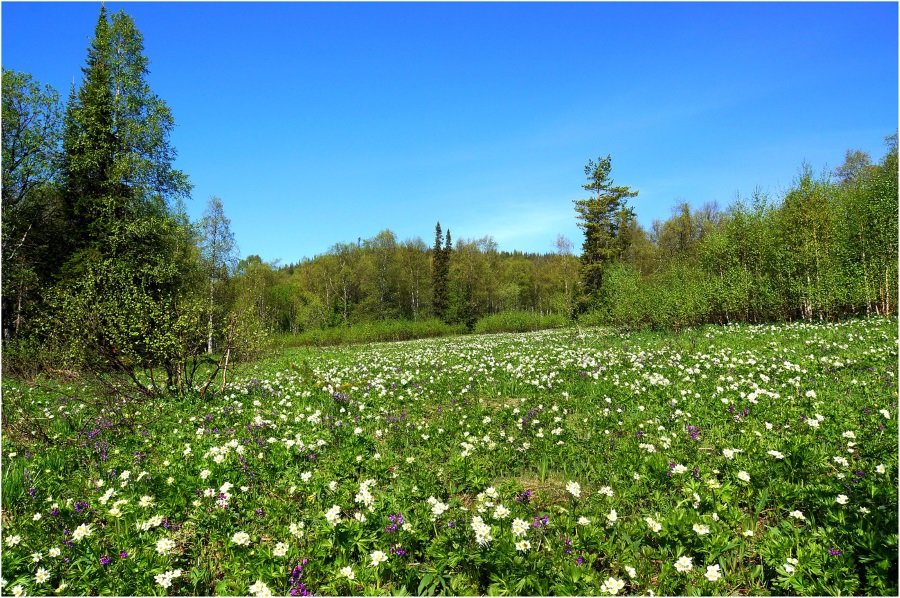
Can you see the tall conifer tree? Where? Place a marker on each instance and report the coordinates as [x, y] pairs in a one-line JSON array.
[[602, 217]]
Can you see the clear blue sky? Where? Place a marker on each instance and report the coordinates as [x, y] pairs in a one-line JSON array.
[[319, 123]]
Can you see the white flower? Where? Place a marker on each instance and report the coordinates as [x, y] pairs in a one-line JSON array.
[[164, 546], [584, 521], [712, 573], [203, 475], [797, 515], [13, 540], [519, 527], [612, 586], [879, 468], [36, 517], [297, 530], [630, 571], [241, 538], [743, 476], [812, 422], [82, 531], [482, 531], [748, 533], [841, 499], [776, 454], [18, 590], [348, 572], [679, 469], [165, 579], [280, 549], [260, 589], [332, 485], [523, 545], [573, 488], [701, 529], [378, 557], [305, 476], [41, 576], [730, 453], [145, 501], [333, 515], [501, 512], [437, 507], [684, 564], [36, 557], [653, 524], [54, 552], [789, 568], [612, 516], [885, 413]]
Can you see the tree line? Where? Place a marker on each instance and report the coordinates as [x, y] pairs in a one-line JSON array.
[[103, 270]]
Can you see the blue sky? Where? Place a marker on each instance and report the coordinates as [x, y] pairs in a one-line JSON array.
[[321, 123]]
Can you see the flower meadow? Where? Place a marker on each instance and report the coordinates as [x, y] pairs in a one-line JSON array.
[[721, 460]]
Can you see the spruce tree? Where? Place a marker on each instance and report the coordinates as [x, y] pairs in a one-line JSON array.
[[602, 217], [440, 270], [123, 299]]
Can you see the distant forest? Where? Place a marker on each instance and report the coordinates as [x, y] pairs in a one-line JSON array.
[[827, 249], [102, 268]]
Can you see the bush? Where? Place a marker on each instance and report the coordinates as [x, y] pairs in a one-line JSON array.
[[518, 321], [372, 332]]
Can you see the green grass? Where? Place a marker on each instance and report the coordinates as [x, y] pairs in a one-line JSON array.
[[683, 431]]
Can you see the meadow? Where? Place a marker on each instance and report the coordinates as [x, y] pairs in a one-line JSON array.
[[722, 460]]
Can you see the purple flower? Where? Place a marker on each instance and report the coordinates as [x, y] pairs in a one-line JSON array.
[[694, 432], [105, 560], [835, 552], [123, 554], [523, 497]]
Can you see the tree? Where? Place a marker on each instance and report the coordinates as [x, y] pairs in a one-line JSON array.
[[601, 216], [127, 297], [440, 269], [219, 254], [117, 157], [32, 223]]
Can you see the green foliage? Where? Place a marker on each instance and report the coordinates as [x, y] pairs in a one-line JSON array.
[[826, 251], [518, 321], [32, 130]]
